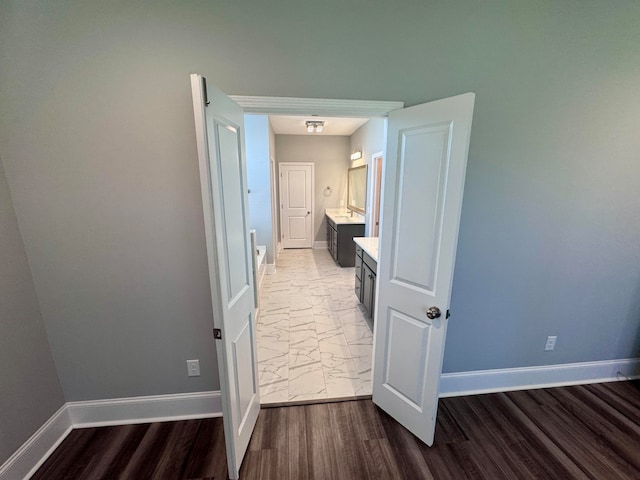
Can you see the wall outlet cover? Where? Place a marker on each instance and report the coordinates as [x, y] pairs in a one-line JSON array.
[[551, 343], [193, 368]]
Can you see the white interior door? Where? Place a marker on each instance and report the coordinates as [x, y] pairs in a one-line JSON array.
[[223, 180], [425, 165], [296, 200]]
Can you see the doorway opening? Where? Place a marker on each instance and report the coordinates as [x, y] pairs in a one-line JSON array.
[[314, 336]]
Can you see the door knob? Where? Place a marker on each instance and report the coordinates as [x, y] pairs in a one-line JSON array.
[[433, 312]]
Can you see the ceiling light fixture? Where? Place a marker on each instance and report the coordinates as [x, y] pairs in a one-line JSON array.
[[314, 126]]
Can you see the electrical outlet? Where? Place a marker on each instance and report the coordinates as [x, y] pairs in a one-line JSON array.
[[193, 368], [551, 343]]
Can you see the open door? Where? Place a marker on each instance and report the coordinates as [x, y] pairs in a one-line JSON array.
[[223, 180], [427, 147]]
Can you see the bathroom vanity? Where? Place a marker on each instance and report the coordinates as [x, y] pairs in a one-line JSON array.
[[342, 226], [366, 269]]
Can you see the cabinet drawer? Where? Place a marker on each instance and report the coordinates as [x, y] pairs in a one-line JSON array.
[[371, 263], [358, 250]]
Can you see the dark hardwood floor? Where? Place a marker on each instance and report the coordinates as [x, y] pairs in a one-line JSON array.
[[583, 432]]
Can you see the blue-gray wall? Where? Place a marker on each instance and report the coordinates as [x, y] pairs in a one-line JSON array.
[[29, 388], [97, 138], [257, 140]]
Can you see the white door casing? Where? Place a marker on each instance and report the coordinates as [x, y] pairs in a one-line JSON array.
[[274, 213], [223, 180], [296, 201], [425, 164], [375, 177]]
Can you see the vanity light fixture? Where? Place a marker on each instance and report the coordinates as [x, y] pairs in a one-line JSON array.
[[356, 155], [314, 126]]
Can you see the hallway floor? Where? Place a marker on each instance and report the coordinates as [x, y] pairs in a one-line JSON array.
[[314, 341]]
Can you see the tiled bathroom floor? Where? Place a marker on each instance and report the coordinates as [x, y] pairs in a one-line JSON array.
[[314, 341]]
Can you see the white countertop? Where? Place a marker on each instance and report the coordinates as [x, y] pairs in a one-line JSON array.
[[341, 216], [369, 245]]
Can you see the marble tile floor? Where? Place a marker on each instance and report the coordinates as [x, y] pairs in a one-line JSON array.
[[314, 341]]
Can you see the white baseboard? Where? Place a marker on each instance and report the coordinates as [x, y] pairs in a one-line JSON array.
[[525, 378], [271, 268], [28, 458], [157, 408], [320, 244], [96, 413]]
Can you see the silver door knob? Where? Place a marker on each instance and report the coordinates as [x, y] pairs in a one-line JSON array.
[[433, 312]]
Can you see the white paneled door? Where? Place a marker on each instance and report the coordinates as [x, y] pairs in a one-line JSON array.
[[223, 180], [296, 204], [427, 148]]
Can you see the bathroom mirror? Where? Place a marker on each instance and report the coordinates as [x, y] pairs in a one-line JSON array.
[[357, 189]]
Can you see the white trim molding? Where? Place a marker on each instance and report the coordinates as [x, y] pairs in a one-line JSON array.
[[320, 244], [96, 413], [156, 408], [525, 378], [32, 454], [323, 107]]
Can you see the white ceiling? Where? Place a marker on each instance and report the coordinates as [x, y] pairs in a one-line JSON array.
[[292, 125]]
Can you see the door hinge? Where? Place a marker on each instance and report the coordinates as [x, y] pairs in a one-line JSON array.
[[448, 314], [204, 88], [217, 334]]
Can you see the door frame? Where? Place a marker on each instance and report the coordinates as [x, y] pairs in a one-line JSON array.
[[275, 218], [313, 193], [375, 190], [322, 107]]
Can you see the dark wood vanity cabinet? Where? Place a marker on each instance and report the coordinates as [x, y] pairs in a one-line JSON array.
[[340, 241], [365, 281]]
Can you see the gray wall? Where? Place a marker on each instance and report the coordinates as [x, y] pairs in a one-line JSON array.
[[330, 155], [257, 140], [370, 138], [97, 136], [29, 388]]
